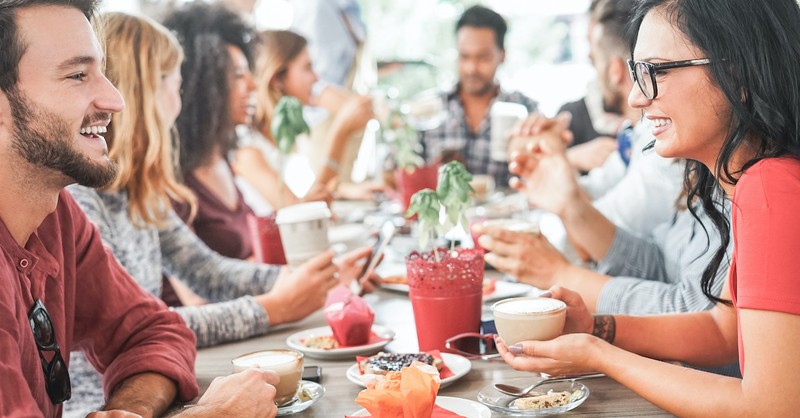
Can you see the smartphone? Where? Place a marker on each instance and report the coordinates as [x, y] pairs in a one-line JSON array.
[[384, 236], [312, 373]]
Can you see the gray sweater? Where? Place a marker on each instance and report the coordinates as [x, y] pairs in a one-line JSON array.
[[147, 252], [672, 261]]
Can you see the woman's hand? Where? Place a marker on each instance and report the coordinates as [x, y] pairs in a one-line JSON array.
[[354, 114], [567, 354], [351, 266], [576, 351], [299, 292]]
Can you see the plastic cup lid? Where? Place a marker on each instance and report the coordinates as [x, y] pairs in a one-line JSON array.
[[303, 212]]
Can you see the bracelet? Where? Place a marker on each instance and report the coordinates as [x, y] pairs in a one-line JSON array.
[[605, 327], [333, 165]]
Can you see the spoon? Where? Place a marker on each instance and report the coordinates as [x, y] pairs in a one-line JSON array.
[[517, 391]]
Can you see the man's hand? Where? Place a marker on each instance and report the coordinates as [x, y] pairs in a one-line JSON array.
[[546, 177], [250, 393], [529, 258], [301, 291], [537, 128], [592, 154], [116, 413]]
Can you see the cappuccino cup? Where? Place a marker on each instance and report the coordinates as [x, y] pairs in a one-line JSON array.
[[529, 318], [288, 364]]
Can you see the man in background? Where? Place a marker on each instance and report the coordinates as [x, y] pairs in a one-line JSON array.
[[466, 131]]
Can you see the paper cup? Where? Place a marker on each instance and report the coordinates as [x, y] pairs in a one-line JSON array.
[[304, 231]]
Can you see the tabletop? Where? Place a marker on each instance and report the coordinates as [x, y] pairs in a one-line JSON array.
[[393, 310]]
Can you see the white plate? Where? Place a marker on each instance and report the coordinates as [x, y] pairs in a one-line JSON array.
[[502, 403], [310, 393], [502, 290], [464, 407], [294, 342], [459, 365]]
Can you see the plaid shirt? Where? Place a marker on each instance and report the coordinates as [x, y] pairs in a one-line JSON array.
[[455, 137]]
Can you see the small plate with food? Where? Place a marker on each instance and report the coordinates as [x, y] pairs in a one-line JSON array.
[[547, 399], [451, 366], [319, 343]]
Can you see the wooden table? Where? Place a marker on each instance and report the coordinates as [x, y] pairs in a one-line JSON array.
[[608, 398]]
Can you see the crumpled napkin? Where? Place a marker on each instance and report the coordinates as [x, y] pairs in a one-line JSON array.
[[349, 316], [410, 393]]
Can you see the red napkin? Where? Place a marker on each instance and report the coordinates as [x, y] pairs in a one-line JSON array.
[[444, 373], [349, 317], [438, 412], [411, 393]]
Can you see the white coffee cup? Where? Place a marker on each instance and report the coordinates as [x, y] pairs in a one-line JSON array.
[[529, 318], [484, 186], [504, 116], [288, 364], [513, 225], [304, 231]]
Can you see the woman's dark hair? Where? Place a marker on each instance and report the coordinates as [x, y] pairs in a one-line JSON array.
[[484, 17], [755, 60], [205, 31]]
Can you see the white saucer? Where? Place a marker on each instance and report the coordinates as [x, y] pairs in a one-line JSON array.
[[308, 393], [464, 407], [294, 341], [459, 365], [503, 403]]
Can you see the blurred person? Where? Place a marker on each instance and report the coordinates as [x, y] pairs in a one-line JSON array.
[[466, 131], [217, 84], [63, 290], [589, 147], [336, 35], [593, 126], [638, 196], [136, 220], [714, 76], [284, 68]]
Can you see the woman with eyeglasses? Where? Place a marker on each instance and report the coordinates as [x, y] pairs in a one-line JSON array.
[[137, 222], [720, 81]]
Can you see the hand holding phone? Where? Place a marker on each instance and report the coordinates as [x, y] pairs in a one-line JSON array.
[[384, 236]]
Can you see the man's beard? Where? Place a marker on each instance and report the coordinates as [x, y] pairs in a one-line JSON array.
[[478, 86], [614, 104], [43, 139]]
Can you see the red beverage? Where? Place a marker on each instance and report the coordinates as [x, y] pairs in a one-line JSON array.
[[446, 294]]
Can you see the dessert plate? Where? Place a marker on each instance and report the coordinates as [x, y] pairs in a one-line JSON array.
[[295, 341], [503, 403], [459, 365], [463, 407]]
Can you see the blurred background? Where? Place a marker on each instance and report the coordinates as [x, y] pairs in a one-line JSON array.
[[411, 44]]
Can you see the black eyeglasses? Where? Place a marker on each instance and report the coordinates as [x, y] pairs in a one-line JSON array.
[[473, 346], [55, 371], [644, 73]]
